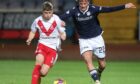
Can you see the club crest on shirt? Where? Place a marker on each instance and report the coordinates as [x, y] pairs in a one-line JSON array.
[[78, 14], [88, 13], [73, 8], [93, 6], [68, 12]]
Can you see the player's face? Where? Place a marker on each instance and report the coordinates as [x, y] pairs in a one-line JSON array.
[[83, 5], [47, 14]]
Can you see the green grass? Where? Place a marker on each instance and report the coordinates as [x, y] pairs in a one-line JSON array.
[[74, 72]]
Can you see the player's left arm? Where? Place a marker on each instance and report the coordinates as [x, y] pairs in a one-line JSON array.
[[63, 24], [62, 33], [114, 8], [61, 28], [63, 36], [130, 5]]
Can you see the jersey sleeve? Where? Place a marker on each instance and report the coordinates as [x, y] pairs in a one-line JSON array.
[[101, 9], [67, 14], [59, 21], [34, 26]]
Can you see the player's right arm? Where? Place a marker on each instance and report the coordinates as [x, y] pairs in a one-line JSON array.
[[32, 33], [30, 38]]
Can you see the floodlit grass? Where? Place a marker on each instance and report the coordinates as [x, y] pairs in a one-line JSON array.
[[74, 72]]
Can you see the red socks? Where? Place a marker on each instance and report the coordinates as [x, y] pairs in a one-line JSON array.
[[36, 75]]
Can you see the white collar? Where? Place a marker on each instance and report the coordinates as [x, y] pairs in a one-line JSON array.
[[85, 10]]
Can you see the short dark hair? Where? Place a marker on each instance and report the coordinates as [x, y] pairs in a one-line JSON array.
[[47, 6]]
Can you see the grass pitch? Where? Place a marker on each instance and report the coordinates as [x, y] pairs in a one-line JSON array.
[[74, 72]]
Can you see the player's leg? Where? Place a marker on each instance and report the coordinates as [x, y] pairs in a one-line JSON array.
[[102, 64], [87, 54], [89, 62], [49, 61], [99, 52], [44, 70], [36, 71]]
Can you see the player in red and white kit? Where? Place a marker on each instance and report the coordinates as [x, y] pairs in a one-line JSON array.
[[51, 33]]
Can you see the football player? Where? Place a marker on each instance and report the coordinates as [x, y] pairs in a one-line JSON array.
[[85, 17]]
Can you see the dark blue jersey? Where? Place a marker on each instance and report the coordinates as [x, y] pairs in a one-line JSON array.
[[87, 23]]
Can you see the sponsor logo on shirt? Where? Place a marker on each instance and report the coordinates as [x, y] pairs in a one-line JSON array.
[[84, 18]]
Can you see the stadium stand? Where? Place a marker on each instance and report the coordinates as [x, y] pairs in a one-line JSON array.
[[119, 27], [3, 4], [13, 4], [1, 16], [18, 15]]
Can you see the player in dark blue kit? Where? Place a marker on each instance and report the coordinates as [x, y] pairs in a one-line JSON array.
[[90, 33]]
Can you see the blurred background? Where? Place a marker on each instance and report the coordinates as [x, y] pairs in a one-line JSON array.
[[121, 29], [121, 35]]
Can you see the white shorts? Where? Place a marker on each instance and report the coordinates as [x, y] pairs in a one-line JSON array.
[[95, 44]]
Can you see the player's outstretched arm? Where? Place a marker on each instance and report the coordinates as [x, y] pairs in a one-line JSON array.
[[30, 38], [130, 5], [115, 8]]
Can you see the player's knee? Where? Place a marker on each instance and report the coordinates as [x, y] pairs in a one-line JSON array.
[[44, 73], [44, 70]]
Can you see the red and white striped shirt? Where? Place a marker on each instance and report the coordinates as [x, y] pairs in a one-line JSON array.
[[49, 30]]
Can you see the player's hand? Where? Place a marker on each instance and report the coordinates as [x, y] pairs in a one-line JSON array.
[[28, 41], [63, 24], [130, 5]]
